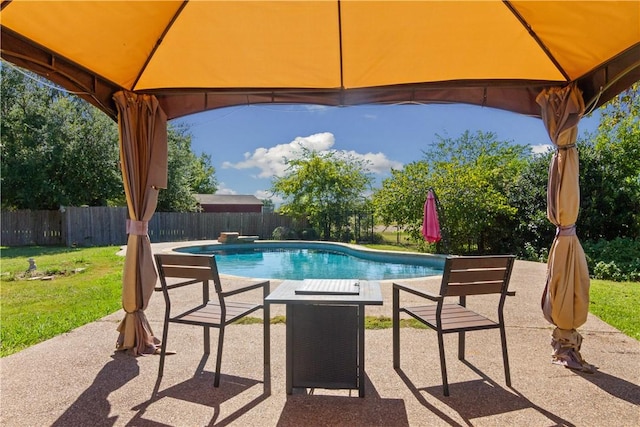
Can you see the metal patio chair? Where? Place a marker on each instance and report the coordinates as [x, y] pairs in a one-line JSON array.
[[462, 276], [217, 312]]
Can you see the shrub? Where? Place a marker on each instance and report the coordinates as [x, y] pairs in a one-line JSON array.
[[346, 235], [309, 234], [530, 253], [617, 259], [284, 233], [377, 238], [607, 271]]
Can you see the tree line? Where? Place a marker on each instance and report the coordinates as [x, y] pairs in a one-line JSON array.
[[58, 150]]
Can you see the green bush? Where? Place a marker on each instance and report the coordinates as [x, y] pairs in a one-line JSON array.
[[607, 271], [284, 233], [530, 253], [377, 238], [309, 234], [346, 235], [617, 259]]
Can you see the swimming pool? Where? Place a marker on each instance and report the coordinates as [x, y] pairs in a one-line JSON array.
[[299, 260]]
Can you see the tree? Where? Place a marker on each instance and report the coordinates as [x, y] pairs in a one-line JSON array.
[[401, 199], [323, 187], [533, 233], [268, 205], [58, 150], [610, 172], [187, 174], [609, 183], [471, 176]]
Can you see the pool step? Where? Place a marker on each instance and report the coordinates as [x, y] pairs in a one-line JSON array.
[[235, 237]]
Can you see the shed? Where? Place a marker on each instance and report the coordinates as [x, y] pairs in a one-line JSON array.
[[229, 203]]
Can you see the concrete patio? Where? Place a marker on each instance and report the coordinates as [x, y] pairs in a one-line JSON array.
[[78, 380]]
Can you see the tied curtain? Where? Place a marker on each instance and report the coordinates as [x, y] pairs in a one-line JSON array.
[[143, 157], [565, 300]]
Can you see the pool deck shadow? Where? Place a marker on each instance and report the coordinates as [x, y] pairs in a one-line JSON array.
[[77, 379]]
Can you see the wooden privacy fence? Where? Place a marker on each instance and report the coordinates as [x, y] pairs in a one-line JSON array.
[[105, 226]]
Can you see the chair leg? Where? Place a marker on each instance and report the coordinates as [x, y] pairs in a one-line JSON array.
[[216, 380], [163, 349], [207, 339], [443, 365], [505, 356], [396, 328], [461, 345], [267, 348]]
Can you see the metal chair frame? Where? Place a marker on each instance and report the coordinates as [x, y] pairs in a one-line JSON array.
[[212, 313], [462, 276]]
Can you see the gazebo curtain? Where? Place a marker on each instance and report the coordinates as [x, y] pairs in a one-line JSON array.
[[565, 301], [143, 157]]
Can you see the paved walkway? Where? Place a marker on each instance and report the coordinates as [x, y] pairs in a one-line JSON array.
[[78, 380]]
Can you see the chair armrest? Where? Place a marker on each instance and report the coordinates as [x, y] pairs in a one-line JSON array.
[[511, 293], [177, 285], [246, 288], [424, 294]]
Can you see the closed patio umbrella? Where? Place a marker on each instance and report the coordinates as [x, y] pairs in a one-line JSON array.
[[565, 300], [430, 221]]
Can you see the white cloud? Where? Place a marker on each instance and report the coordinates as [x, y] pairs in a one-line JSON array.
[[223, 189], [378, 162], [266, 194], [272, 161], [541, 148]]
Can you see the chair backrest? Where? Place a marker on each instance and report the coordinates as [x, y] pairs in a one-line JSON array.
[[476, 275], [188, 266]]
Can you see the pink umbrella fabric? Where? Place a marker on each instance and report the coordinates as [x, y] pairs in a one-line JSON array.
[[430, 222]]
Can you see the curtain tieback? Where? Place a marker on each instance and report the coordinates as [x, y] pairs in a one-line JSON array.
[[138, 228], [566, 230]]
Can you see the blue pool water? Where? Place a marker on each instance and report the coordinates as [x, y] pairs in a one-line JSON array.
[[309, 263]]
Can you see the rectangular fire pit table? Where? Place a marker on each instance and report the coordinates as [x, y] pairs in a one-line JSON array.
[[325, 331]]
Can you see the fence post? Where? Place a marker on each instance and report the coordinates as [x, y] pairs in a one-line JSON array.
[[64, 226]]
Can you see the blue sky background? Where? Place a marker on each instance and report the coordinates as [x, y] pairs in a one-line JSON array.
[[248, 144]]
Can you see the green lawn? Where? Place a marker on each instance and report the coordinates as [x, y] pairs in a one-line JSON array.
[[86, 286], [618, 304]]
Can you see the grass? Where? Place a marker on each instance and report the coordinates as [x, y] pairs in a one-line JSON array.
[[87, 285], [391, 247], [394, 241], [618, 304]]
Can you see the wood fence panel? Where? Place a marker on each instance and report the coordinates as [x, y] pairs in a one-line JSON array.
[[95, 226], [166, 227], [25, 227], [102, 226], [118, 225], [77, 226]]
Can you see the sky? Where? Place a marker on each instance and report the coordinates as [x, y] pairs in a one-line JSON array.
[[248, 145]]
